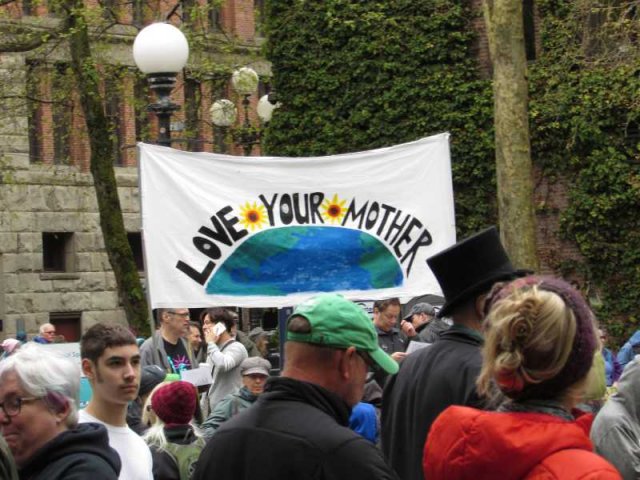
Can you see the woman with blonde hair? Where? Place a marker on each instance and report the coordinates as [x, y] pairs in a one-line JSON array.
[[540, 339], [175, 445]]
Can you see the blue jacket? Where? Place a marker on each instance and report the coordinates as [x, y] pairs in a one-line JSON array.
[[363, 420], [626, 353], [612, 367]]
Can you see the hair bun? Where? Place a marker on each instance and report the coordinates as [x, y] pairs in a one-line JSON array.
[[522, 324]]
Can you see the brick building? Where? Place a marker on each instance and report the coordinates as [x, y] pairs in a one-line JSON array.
[[53, 266]]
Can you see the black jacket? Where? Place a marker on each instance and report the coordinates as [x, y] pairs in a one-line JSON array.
[[391, 342], [295, 430], [78, 454], [429, 381], [430, 332]]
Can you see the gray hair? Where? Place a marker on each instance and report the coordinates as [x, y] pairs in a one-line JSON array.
[[46, 375], [45, 325]]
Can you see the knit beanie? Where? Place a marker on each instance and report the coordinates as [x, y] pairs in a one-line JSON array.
[[175, 403], [584, 346], [10, 344]]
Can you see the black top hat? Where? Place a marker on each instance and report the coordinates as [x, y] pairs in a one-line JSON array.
[[471, 267]]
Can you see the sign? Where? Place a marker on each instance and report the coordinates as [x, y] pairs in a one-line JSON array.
[[71, 351], [273, 231]]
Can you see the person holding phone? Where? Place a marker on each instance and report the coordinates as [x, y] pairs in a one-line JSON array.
[[224, 353]]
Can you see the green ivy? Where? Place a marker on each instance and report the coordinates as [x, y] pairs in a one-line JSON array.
[[355, 75], [360, 75], [585, 126]]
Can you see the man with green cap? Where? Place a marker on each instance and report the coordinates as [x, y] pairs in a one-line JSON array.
[[298, 428]]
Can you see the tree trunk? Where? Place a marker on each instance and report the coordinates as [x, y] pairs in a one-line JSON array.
[[513, 152], [102, 154]]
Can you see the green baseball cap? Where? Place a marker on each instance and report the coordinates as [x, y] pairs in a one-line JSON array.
[[340, 323]]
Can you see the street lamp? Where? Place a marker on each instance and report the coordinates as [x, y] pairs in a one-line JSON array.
[[160, 51], [224, 112]]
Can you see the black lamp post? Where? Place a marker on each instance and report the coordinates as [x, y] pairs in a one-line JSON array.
[[161, 50]]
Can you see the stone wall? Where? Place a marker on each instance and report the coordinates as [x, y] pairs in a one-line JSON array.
[[37, 198]]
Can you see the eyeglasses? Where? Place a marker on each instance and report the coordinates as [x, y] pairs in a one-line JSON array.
[[50, 332], [12, 405], [373, 366], [183, 314]]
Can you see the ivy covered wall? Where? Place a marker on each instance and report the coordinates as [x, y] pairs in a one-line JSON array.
[[355, 75], [359, 75], [585, 114]]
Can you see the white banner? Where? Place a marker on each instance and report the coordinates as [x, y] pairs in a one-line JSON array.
[[223, 230]]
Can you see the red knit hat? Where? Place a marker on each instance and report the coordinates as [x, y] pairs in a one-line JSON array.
[[175, 403]]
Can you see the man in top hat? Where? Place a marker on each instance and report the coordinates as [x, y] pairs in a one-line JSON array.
[[422, 325], [444, 374], [299, 427]]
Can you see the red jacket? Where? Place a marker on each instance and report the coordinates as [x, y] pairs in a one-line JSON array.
[[465, 443]]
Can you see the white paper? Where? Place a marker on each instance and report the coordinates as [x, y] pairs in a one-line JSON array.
[[198, 376]]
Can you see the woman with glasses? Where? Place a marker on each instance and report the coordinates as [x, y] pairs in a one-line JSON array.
[[39, 420], [540, 339]]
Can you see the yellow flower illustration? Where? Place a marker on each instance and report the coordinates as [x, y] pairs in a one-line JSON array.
[[253, 216], [334, 210]]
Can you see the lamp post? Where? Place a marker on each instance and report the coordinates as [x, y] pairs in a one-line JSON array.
[[224, 112], [160, 51]]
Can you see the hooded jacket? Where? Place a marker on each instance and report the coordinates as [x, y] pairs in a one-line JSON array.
[[466, 443], [295, 430], [616, 429], [626, 353], [76, 454]]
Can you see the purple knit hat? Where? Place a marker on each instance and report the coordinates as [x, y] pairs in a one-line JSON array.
[[580, 359]]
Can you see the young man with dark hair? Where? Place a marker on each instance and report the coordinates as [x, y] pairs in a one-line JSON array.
[[224, 353], [298, 428], [111, 362], [167, 347]]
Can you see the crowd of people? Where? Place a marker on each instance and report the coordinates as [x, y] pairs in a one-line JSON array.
[[507, 380]]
